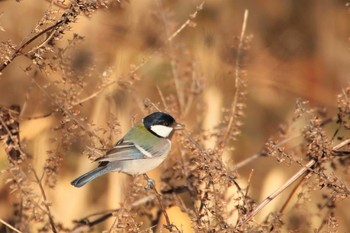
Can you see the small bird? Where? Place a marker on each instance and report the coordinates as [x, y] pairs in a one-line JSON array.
[[142, 149]]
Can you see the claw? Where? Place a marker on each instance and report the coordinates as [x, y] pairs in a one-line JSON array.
[[150, 184]]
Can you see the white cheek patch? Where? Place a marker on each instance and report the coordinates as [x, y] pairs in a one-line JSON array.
[[161, 130]]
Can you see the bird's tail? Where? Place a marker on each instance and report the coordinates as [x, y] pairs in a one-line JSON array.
[[87, 177]]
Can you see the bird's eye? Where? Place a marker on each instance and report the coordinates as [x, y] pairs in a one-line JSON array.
[[166, 123]]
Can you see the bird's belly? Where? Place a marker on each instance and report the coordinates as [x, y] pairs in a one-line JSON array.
[[140, 166]]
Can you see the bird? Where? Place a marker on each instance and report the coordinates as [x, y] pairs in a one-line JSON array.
[[144, 147]]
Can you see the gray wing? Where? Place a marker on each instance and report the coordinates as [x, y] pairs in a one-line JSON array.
[[127, 150]]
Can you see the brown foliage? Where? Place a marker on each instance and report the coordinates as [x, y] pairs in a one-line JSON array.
[[88, 70]]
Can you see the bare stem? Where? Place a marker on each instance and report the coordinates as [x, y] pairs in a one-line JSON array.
[[278, 191], [36, 117], [324, 221], [340, 145], [247, 161], [194, 91], [293, 192], [162, 98], [52, 223], [285, 141], [237, 82], [19, 50], [179, 93], [10, 226], [258, 155], [77, 121], [188, 21], [133, 71]]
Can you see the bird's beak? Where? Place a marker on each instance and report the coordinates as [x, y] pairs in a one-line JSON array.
[[179, 126]]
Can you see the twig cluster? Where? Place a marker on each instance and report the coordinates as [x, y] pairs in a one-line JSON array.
[[196, 179]]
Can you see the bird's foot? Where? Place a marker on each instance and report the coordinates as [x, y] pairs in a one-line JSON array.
[[150, 184]]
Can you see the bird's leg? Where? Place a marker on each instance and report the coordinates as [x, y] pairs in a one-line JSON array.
[[151, 183]]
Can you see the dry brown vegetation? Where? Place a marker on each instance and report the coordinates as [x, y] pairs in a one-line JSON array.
[[262, 87]]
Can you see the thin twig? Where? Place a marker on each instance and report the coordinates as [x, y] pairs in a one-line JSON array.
[[188, 21], [10, 226], [108, 213], [247, 161], [238, 71], [258, 155], [196, 144], [285, 141], [178, 88], [293, 192], [324, 221], [249, 180], [77, 121], [162, 98], [290, 196], [194, 91], [48, 38], [36, 117], [104, 215], [19, 51], [340, 145], [86, 221], [52, 223], [148, 102], [26, 100], [131, 72], [144, 62], [244, 197], [278, 191], [113, 224]]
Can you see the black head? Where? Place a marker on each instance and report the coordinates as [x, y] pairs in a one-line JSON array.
[[158, 118], [161, 124]]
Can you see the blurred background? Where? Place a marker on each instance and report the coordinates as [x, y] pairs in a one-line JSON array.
[[295, 50]]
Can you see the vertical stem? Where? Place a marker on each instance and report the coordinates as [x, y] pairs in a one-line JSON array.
[[237, 81], [52, 223]]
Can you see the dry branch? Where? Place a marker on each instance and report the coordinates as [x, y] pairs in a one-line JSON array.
[[238, 84], [10, 226], [296, 176]]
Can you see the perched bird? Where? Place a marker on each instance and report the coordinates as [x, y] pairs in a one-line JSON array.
[[142, 149]]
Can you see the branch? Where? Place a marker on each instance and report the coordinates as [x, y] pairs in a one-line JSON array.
[[142, 201], [52, 223], [64, 111], [188, 21], [293, 192], [278, 191], [285, 141], [238, 79], [85, 221], [10, 226], [336, 148], [138, 67], [19, 51]]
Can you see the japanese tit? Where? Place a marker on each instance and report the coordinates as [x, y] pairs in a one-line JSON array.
[[142, 149]]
